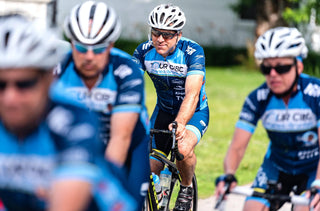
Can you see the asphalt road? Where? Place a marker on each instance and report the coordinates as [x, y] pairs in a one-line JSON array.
[[234, 203]]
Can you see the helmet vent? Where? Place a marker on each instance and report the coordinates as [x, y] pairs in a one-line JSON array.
[[270, 40], [277, 46], [6, 38]]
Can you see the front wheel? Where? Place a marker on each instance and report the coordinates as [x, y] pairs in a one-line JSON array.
[[174, 190]]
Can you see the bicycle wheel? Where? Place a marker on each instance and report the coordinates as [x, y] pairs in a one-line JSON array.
[[174, 190], [151, 201]]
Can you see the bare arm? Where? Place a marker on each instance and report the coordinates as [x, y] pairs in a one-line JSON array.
[[69, 195], [189, 103], [236, 150], [234, 156], [122, 126]]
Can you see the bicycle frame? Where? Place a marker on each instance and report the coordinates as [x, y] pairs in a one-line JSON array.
[[170, 163]]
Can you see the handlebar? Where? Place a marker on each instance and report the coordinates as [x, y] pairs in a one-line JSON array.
[[271, 197], [175, 148], [294, 199]]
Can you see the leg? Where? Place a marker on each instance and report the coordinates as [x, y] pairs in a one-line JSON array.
[[156, 166], [186, 168], [188, 164], [252, 205]]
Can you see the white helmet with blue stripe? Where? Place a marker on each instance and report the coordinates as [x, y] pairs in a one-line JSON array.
[[281, 42], [167, 17]]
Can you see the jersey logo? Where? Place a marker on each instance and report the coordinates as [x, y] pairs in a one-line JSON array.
[[262, 94], [312, 90], [190, 50], [123, 71], [146, 45]]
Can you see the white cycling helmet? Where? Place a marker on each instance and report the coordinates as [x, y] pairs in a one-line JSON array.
[[167, 17], [281, 42], [92, 23], [23, 44]]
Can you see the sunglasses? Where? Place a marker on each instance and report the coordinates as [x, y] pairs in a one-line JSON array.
[[165, 35], [280, 69], [97, 49], [21, 85]]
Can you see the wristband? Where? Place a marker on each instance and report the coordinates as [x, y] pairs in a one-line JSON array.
[[228, 178]]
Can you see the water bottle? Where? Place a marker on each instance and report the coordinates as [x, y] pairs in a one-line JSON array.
[[165, 181], [157, 186]]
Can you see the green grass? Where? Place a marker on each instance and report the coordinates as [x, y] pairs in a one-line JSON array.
[[226, 89]]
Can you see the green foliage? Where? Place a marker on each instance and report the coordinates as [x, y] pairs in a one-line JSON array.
[[242, 6], [302, 14], [224, 56], [127, 45], [312, 64]]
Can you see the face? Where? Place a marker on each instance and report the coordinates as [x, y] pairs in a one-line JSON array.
[[90, 60], [164, 41], [280, 81], [23, 98]]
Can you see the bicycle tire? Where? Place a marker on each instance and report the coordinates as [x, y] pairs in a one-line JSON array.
[[175, 187], [151, 201]]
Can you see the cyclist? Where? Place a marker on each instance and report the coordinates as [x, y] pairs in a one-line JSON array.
[[107, 81], [176, 66], [287, 104], [50, 157]]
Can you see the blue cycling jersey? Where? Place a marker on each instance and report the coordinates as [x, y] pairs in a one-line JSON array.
[[64, 146], [119, 89], [169, 74], [292, 128]]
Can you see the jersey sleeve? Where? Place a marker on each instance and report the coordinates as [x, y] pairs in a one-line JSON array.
[[252, 109], [139, 53], [130, 97], [195, 59]]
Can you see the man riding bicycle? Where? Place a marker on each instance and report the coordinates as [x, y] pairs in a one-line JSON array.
[[108, 82], [288, 106], [176, 66], [49, 154]]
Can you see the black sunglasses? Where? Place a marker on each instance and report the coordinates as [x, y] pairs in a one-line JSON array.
[[21, 84], [280, 69], [165, 35]]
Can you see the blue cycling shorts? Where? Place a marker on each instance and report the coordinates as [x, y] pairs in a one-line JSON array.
[[198, 124], [268, 171]]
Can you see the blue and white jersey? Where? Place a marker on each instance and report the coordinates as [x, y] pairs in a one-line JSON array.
[[169, 74], [119, 89], [292, 129], [64, 146]]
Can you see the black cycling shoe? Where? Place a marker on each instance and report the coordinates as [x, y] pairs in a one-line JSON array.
[[184, 199]]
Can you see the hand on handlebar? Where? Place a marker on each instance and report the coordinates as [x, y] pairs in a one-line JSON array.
[[180, 131], [224, 184], [314, 195]]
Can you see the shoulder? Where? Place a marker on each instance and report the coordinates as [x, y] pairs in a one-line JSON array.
[[189, 46], [261, 93], [310, 86], [144, 47]]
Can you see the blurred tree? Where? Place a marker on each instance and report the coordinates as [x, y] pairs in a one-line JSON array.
[[302, 14], [266, 13]]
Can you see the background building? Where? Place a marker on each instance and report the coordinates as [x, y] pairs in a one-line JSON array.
[[209, 22]]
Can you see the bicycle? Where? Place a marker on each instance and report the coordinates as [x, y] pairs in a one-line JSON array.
[[272, 194], [151, 202]]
